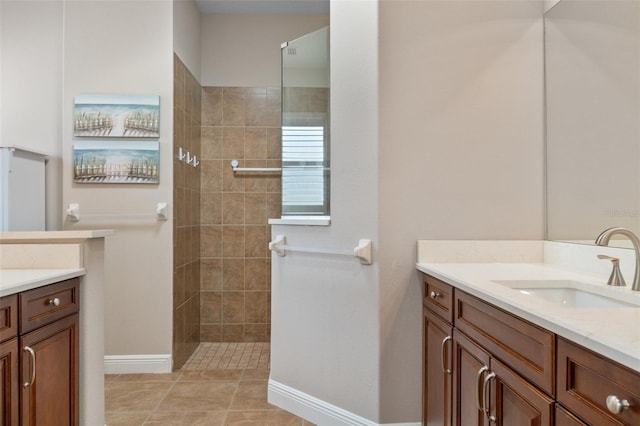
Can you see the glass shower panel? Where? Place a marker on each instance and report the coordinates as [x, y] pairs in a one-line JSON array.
[[305, 125]]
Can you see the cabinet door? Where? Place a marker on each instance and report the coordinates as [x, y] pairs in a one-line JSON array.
[[516, 402], [565, 418], [9, 397], [50, 384], [436, 404], [470, 365]]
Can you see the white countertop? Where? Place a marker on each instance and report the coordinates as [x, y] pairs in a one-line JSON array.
[[52, 237], [612, 332], [17, 280]]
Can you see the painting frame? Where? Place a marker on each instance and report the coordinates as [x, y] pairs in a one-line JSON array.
[[116, 116], [116, 162]]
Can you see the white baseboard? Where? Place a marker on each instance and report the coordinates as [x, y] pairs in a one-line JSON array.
[[134, 364], [315, 410]]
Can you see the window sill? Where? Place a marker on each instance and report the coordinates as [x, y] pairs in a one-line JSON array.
[[302, 220]]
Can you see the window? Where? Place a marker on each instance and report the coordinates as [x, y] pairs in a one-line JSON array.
[[304, 171]]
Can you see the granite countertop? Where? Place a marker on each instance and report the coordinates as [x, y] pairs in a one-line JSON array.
[[612, 332], [17, 280]]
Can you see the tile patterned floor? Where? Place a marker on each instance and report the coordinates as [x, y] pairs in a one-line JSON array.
[[222, 384]]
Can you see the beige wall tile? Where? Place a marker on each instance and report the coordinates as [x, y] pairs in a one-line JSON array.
[[233, 273], [255, 308], [255, 277], [255, 143], [256, 109], [211, 208], [256, 241], [233, 307], [210, 274], [211, 241], [233, 208], [211, 143], [233, 112], [211, 332], [211, 307], [232, 332], [211, 175], [255, 208], [233, 143], [274, 141], [233, 241], [212, 106]]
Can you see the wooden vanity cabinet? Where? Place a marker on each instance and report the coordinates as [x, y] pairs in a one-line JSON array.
[[9, 414], [43, 356], [486, 391], [507, 371], [437, 352], [437, 372]]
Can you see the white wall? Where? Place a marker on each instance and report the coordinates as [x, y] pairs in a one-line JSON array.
[[121, 48], [186, 35], [448, 145], [461, 153], [31, 87], [325, 316], [244, 50]]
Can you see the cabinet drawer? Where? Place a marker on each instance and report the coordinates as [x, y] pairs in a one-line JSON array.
[[523, 346], [438, 296], [8, 317], [586, 379], [43, 305]]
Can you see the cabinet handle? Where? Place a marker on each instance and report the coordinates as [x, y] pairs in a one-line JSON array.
[[486, 396], [33, 366], [54, 302], [435, 294], [442, 349], [615, 405], [479, 393]]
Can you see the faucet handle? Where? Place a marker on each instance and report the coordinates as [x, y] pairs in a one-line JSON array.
[[615, 279]]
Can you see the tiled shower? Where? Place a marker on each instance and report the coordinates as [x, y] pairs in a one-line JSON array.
[[222, 266], [186, 223], [221, 260], [243, 124]]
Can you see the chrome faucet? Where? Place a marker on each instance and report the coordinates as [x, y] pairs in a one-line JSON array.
[[603, 240]]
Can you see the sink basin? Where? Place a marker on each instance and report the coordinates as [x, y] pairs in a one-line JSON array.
[[571, 294]]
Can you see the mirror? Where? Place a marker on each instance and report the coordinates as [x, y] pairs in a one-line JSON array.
[[592, 73]]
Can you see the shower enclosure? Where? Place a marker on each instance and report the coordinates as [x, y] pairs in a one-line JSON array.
[[305, 125]]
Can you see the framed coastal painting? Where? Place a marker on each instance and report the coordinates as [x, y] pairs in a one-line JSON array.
[[116, 116], [107, 161]]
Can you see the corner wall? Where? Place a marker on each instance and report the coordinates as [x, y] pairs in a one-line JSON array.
[[31, 47], [126, 48], [461, 153], [446, 142]]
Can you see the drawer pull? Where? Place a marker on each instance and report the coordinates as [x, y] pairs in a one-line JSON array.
[[442, 356], [615, 405], [33, 366], [54, 302], [435, 294], [479, 396], [486, 397]]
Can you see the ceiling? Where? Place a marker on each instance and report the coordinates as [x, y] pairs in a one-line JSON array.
[[264, 7]]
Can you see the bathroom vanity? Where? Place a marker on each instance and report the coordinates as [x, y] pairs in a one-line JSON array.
[[39, 352], [497, 350], [52, 327]]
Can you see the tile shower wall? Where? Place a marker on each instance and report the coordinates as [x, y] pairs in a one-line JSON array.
[[238, 123], [186, 214]]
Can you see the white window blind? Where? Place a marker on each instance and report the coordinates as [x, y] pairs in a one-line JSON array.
[[303, 170]]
